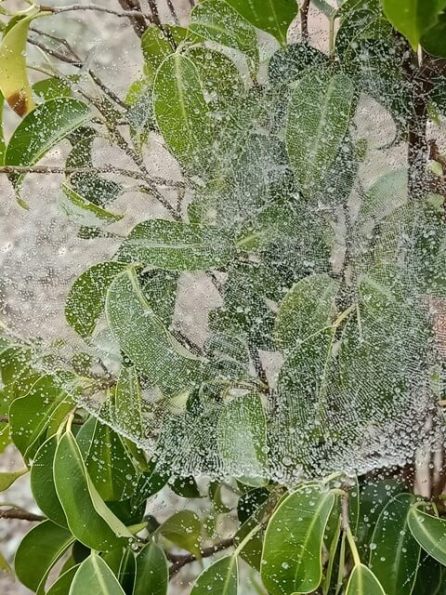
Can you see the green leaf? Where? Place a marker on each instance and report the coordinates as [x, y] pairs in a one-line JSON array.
[[94, 576], [14, 83], [217, 21], [51, 88], [307, 309], [42, 129], [434, 41], [89, 519], [108, 463], [83, 212], [430, 532], [181, 111], [158, 43], [221, 577], [30, 416], [184, 530], [145, 340], [177, 246], [63, 583], [362, 581], [42, 482], [395, 554], [429, 577], [127, 405], [415, 18], [242, 439], [86, 299], [38, 551], [292, 553], [7, 478], [273, 16], [152, 575], [318, 119]]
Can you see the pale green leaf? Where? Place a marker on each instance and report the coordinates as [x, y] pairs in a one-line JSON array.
[[221, 577], [94, 576], [430, 532], [184, 530], [152, 575], [362, 581], [413, 18], [83, 212]]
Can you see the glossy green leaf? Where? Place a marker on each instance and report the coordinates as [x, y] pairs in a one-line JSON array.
[[30, 416], [14, 83], [413, 19], [42, 129], [51, 88], [292, 552], [221, 577], [181, 111], [307, 308], [430, 533], [63, 583], [395, 554], [242, 439], [177, 246], [83, 212], [429, 577], [42, 482], [86, 300], [38, 551], [218, 21], [158, 44], [184, 530], [145, 340], [362, 581], [152, 575], [127, 406], [108, 463], [89, 519], [318, 119], [273, 16], [94, 576], [7, 478], [434, 41]]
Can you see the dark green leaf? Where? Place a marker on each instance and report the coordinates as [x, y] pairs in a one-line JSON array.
[[62, 585], [174, 246], [292, 554], [362, 581], [89, 519], [42, 129], [86, 299], [273, 16], [434, 41], [216, 20], [52, 88], [395, 553], [430, 532], [94, 576], [242, 439], [152, 574], [221, 577], [318, 120], [42, 482], [38, 551], [184, 530], [83, 212], [145, 340]]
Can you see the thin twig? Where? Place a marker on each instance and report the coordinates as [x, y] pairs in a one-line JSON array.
[[173, 12], [304, 20], [93, 7], [21, 515], [104, 169], [139, 22], [154, 10], [60, 40], [178, 562]]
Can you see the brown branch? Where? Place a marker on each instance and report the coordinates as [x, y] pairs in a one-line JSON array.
[[178, 561], [155, 14], [304, 20], [138, 22], [21, 515], [173, 12], [93, 7], [105, 169]]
